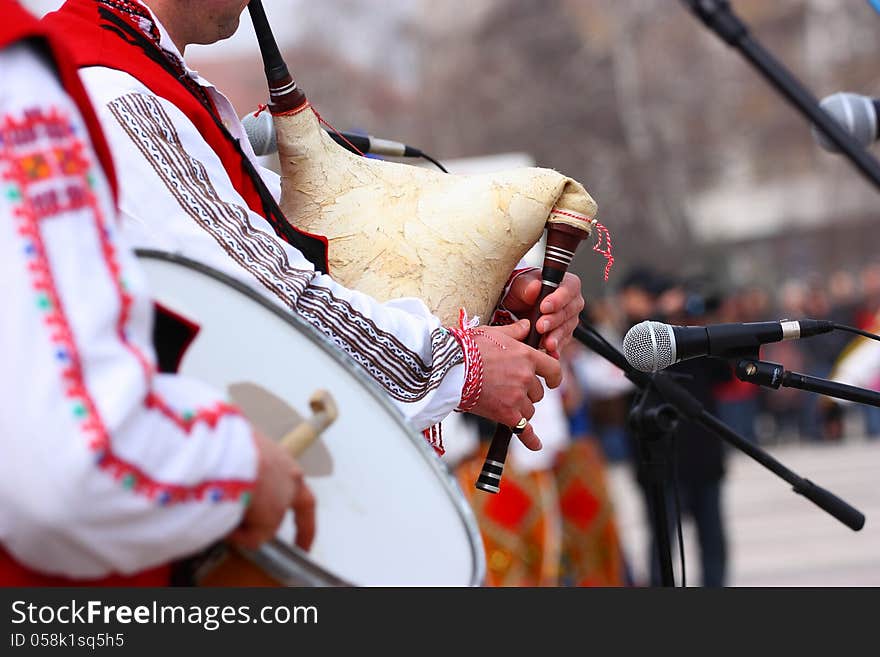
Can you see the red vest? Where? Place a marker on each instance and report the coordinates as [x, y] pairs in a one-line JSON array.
[[109, 34], [17, 24]]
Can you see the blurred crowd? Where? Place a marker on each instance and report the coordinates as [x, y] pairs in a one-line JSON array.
[[765, 416]]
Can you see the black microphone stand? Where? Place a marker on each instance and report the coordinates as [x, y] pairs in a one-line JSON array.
[[655, 415], [716, 14], [654, 422]]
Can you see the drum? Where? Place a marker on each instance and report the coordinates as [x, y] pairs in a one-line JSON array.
[[388, 512]]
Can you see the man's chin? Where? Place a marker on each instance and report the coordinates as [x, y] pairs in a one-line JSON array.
[[219, 35], [231, 29], [225, 31]]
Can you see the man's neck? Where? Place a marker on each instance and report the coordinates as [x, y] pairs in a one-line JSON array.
[[174, 19]]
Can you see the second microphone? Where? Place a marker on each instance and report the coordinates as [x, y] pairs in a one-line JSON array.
[[261, 134], [652, 346]]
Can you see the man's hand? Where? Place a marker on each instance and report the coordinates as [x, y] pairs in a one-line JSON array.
[[280, 486], [510, 377], [559, 311]]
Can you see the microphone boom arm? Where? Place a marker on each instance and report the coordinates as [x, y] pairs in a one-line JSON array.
[[716, 15]]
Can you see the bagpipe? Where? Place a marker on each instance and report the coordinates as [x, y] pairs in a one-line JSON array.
[[396, 230]]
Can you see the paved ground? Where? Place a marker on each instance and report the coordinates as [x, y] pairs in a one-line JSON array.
[[778, 538]]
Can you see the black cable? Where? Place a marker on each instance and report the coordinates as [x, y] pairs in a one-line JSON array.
[[433, 161], [851, 329], [678, 512], [586, 326]]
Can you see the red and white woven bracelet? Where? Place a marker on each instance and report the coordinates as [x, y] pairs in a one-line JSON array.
[[473, 375], [473, 361]]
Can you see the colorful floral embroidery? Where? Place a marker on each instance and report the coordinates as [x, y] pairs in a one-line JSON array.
[[47, 172]]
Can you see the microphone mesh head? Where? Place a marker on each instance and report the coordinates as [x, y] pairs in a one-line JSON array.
[[649, 346], [854, 113], [260, 131]]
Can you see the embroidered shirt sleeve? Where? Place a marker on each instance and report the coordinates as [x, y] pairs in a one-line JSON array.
[[108, 467]]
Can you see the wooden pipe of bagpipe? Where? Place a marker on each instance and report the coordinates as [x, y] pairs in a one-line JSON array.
[[284, 95], [562, 241]]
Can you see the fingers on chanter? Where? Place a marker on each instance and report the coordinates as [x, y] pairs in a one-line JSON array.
[[548, 368], [536, 391], [530, 439]]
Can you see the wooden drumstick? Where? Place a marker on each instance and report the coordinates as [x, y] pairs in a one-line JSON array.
[[324, 414], [563, 237], [231, 565]]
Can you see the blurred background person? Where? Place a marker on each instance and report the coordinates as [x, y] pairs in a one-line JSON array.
[[553, 521], [604, 387], [867, 317], [784, 406], [698, 456], [521, 525], [592, 552], [858, 364], [737, 402], [608, 391]]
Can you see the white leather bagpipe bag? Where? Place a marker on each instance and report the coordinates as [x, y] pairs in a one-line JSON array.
[[388, 512]]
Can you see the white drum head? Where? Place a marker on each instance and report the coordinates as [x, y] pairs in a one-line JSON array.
[[388, 513]]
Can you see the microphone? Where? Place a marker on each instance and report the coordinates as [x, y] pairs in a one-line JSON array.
[[260, 131], [652, 346], [855, 113]]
